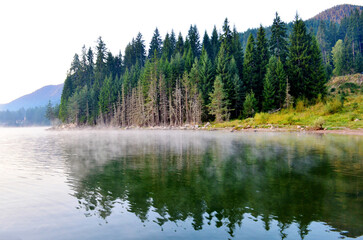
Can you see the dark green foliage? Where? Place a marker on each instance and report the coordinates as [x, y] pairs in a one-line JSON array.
[[237, 52], [268, 94], [179, 45], [207, 46], [193, 37], [140, 52], [278, 43], [155, 45], [175, 83], [250, 105], [262, 58], [215, 44], [274, 85], [250, 65], [218, 106], [305, 66], [206, 73], [167, 48], [226, 37]]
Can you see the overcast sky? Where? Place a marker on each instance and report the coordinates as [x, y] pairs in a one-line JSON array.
[[39, 38]]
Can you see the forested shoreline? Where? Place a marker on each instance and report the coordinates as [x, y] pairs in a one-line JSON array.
[[192, 80]]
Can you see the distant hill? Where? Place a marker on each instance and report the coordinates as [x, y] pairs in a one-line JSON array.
[[337, 13], [38, 98]]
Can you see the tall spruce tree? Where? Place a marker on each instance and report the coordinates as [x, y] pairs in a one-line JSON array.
[[215, 44], [262, 58], [155, 45], [278, 43], [218, 106], [207, 46], [140, 51], [237, 52], [299, 68], [193, 37], [179, 45], [250, 65]]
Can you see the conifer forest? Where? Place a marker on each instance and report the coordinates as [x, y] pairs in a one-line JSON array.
[[210, 77]]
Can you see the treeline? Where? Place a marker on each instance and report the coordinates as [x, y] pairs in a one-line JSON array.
[[190, 80], [328, 32], [25, 117]]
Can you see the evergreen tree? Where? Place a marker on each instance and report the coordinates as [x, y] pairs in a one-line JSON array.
[[250, 65], [215, 44], [299, 67], [278, 43], [155, 45], [262, 58], [130, 55], [268, 93], [166, 51], [172, 42], [318, 74], [237, 52], [101, 59], [218, 106], [250, 105], [179, 45], [206, 73], [275, 79], [207, 46], [193, 37], [227, 37], [140, 52]]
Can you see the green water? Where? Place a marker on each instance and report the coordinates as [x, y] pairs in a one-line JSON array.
[[179, 185]]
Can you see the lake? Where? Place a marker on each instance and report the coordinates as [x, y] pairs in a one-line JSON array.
[[145, 184]]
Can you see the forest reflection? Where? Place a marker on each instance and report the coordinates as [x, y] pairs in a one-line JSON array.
[[218, 178]]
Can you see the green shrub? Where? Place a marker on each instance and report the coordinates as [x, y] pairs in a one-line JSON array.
[[318, 123], [261, 118], [300, 106], [333, 106]]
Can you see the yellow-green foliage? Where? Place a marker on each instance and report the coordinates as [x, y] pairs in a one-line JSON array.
[[331, 115], [300, 106], [333, 106]]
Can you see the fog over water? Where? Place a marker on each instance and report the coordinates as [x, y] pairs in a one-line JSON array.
[[148, 184]]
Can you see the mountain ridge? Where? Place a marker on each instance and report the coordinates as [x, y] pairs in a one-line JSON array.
[[336, 13], [38, 98]]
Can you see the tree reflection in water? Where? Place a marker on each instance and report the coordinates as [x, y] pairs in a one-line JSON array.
[[218, 178]]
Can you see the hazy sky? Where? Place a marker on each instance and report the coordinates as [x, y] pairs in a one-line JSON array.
[[39, 37]]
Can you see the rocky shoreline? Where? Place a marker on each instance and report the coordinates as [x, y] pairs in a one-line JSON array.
[[209, 127]]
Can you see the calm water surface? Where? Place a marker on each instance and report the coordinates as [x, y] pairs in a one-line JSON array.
[[179, 185]]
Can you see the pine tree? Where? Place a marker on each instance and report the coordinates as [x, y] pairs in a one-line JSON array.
[[206, 73], [227, 37], [167, 48], [278, 43], [318, 74], [268, 92], [140, 52], [262, 58], [155, 45], [179, 45], [218, 106], [237, 52], [298, 63], [305, 66], [207, 46], [250, 105], [215, 44], [250, 65], [193, 37]]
